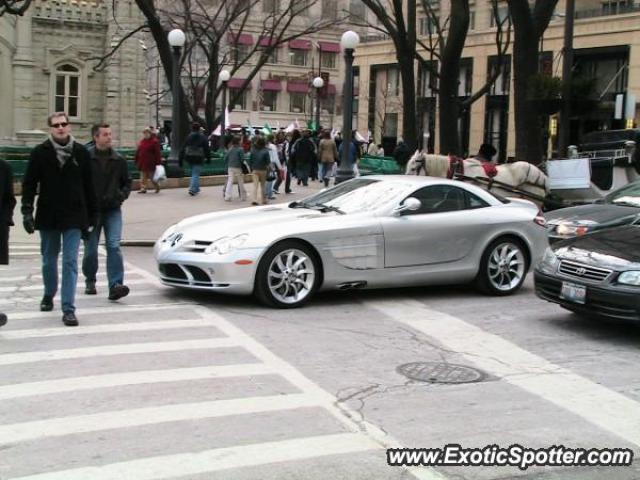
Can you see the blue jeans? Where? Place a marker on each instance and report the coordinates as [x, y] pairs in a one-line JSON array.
[[194, 185], [50, 248], [111, 222], [269, 188]]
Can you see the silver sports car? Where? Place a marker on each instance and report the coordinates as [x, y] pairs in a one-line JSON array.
[[369, 232]]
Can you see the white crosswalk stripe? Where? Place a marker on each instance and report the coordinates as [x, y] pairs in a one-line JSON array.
[[99, 284]]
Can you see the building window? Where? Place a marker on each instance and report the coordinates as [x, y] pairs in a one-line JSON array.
[[393, 82], [429, 26], [614, 7], [269, 101], [328, 104], [503, 14], [330, 9], [357, 9], [240, 53], [240, 102], [273, 56], [503, 82], [465, 78], [270, 6], [298, 57], [328, 60], [472, 19], [390, 125], [67, 91], [297, 102]]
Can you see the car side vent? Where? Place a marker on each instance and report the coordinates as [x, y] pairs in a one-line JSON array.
[[198, 246]]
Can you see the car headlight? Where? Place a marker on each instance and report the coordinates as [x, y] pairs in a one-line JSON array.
[[630, 278], [226, 245], [570, 230], [549, 262]]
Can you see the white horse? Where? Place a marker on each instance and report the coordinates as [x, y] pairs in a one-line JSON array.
[[521, 175]]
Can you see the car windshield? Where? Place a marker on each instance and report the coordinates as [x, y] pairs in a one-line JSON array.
[[628, 195], [358, 195]]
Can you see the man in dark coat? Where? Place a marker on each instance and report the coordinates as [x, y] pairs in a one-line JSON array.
[[112, 184], [304, 154], [401, 154], [59, 172], [7, 204], [195, 152]]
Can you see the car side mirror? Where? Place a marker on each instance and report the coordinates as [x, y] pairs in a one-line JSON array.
[[410, 204]]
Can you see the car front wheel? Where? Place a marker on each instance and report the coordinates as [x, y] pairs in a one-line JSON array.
[[288, 275], [503, 267]]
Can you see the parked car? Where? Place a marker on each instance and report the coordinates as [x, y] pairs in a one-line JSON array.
[[620, 207], [369, 232], [596, 274]]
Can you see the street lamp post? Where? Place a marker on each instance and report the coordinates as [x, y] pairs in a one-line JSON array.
[[349, 42], [567, 64], [318, 83], [176, 39], [224, 77]]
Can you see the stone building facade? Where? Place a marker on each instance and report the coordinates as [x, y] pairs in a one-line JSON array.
[[606, 47], [47, 60]]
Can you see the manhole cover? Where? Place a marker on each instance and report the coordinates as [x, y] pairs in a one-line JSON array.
[[433, 372]]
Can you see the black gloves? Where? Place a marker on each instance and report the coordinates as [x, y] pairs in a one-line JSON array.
[[29, 223]]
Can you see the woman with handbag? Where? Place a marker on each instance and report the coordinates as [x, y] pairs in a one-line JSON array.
[[146, 158], [328, 153]]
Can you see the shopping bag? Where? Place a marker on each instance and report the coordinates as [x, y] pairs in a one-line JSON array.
[[160, 175]]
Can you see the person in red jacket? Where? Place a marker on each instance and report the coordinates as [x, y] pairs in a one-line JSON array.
[[147, 157]]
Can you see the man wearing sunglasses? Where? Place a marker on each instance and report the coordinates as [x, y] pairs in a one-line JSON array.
[[59, 172]]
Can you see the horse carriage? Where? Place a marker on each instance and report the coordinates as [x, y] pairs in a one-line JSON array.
[[612, 162]]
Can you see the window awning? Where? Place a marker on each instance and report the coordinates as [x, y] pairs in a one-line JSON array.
[[299, 44], [236, 83], [297, 87], [272, 85], [240, 38], [266, 41], [331, 47]]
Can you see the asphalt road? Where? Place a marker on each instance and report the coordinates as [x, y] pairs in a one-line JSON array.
[[173, 384]]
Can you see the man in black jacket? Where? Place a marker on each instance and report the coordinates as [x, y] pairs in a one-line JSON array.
[[7, 203], [195, 151], [60, 173], [112, 184]]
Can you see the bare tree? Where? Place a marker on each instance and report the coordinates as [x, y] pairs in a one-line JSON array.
[[14, 7], [444, 47], [529, 24]]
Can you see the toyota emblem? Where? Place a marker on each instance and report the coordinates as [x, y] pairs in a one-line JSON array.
[[581, 271]]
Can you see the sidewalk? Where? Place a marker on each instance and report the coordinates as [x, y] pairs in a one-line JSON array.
[[146, 216]]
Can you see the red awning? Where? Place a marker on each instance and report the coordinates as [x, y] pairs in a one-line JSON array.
[[267, 41], [236, 83], [241, 38], [332, 47], [331, 89], [297, 87], [299, 44], [272, 85]]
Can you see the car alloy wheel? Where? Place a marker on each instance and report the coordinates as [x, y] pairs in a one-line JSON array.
[[287, 276], [503, 267]]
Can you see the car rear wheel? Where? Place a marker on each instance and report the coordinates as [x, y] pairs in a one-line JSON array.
[[288, 275], [503, 267]]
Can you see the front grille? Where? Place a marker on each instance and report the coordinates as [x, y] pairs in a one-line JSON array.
[[198, 274], [583, 272], [172, 270]]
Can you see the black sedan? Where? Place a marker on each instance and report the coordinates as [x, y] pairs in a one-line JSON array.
[[596, 274], [620, 207]]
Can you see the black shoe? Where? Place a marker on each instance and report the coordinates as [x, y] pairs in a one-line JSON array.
[[118, 291], [46, 305], [3, 319], [69, 319], [90, 288]]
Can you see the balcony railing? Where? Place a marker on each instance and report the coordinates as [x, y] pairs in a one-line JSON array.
[[607, 10]]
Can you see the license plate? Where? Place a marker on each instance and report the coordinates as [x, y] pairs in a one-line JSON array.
[[573, 293]]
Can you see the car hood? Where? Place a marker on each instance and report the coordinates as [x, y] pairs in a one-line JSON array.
[[266, 221], [596, 214], [617, 248]]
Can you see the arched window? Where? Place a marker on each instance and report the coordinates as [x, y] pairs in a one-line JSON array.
[[67, 90]]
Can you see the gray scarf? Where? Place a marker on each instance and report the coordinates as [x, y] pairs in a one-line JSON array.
[[63, 152]]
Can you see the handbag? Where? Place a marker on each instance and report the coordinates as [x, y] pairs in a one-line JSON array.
[[160, 174]]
